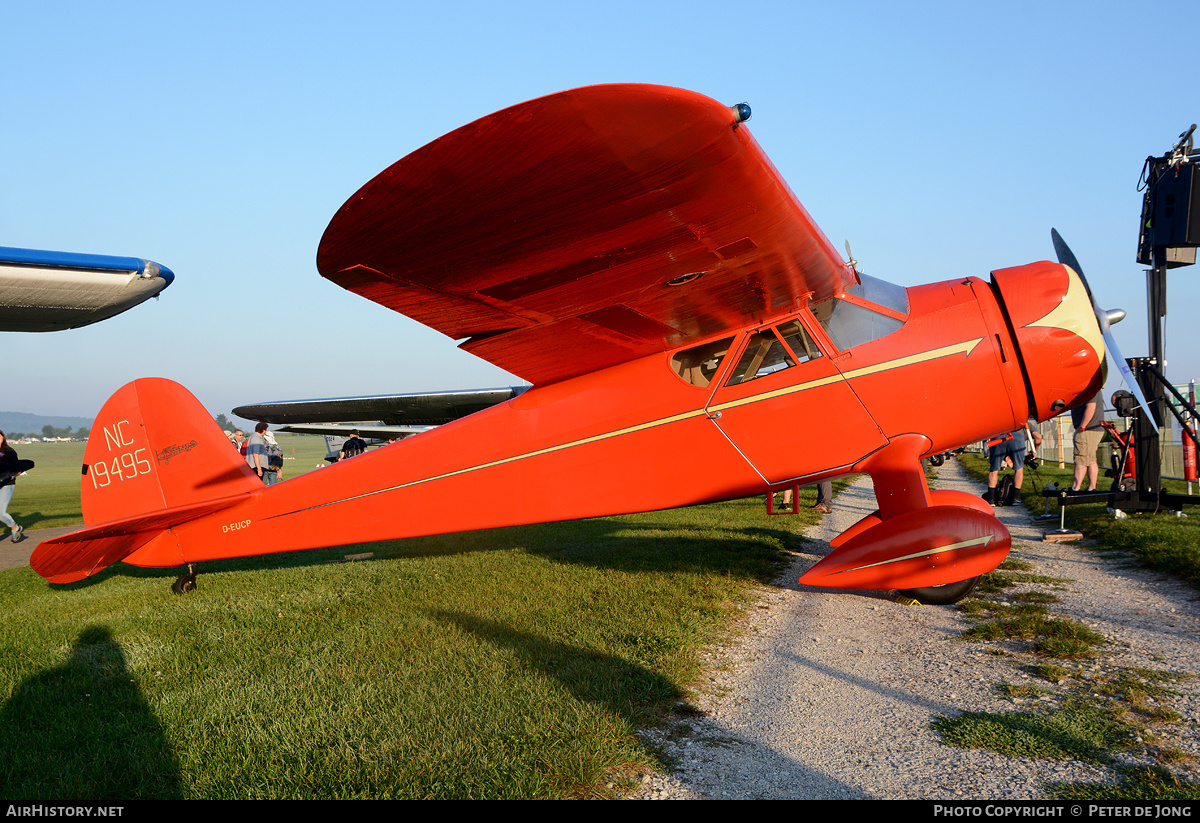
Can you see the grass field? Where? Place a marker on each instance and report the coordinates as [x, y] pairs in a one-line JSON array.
[[507, 663]]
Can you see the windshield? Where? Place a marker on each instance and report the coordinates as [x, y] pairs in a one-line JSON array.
[[850, 323], [881, 292]]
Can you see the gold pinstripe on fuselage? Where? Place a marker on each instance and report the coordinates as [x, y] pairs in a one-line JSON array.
[[965, 348]]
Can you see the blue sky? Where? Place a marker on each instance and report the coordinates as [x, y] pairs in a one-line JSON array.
[[940, 139]]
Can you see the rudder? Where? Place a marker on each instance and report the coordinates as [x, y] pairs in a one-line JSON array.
[[155, 458], [154, 447]]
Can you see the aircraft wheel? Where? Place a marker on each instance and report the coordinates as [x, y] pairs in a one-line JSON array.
[[937, 459], [942, 595], [186, 583]]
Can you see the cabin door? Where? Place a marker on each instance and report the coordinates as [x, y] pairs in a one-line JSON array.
[[788, 410]]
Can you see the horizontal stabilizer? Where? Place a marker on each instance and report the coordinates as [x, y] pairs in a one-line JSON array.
[[82, 553]]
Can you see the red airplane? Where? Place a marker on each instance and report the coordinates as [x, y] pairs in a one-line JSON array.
[[690, 334]]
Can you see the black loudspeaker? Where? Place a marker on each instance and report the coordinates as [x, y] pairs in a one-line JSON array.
[[1176, 208]]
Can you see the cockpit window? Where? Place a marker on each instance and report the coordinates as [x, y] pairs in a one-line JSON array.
[[697, 365], [798, 341], [766, 354], [851, 323]]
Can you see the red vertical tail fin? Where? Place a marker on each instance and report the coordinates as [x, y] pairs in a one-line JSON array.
[[154, 459]]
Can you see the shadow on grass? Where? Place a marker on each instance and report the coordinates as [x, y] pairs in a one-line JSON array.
[[660, 541], [623, 688], [83, 731], [1076, 731]]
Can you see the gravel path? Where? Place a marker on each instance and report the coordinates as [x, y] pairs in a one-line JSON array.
[[828, 694]]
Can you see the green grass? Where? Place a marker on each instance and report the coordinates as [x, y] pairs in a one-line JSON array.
[[1077, 731], [48, 495], [998, 581], [1135, 784], [1049, 636], [508, 663]]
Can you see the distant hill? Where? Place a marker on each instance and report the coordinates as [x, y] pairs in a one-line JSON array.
[[11, 422]]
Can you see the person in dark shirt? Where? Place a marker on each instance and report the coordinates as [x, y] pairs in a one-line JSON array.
[[353, 446], [9, 469]]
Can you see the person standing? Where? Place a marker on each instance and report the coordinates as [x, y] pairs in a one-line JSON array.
[[256, 454], [1011, 446], [824, 502], [1088, 420], [9, 469], [353, 446], [1034, 441], [274, 459]]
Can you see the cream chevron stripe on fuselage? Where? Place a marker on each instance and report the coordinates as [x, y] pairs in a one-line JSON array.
[[966, 347]]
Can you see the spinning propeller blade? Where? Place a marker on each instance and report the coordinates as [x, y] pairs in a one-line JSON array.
[[1105, 319]]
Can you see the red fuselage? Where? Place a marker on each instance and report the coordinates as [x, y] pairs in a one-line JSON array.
[[639, 436]]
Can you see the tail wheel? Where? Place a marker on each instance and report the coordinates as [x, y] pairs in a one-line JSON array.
[[187, 582], [942, 595], [937, 459]]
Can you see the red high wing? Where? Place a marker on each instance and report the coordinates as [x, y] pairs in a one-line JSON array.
[[547, 233]]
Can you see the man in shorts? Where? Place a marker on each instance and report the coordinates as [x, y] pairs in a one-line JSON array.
[[1012, 445], [1088, 420]]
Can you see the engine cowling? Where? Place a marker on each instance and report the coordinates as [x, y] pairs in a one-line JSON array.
[[1058, 338]]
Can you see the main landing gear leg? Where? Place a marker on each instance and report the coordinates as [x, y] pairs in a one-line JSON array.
[[187, 582], [932, 546]]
